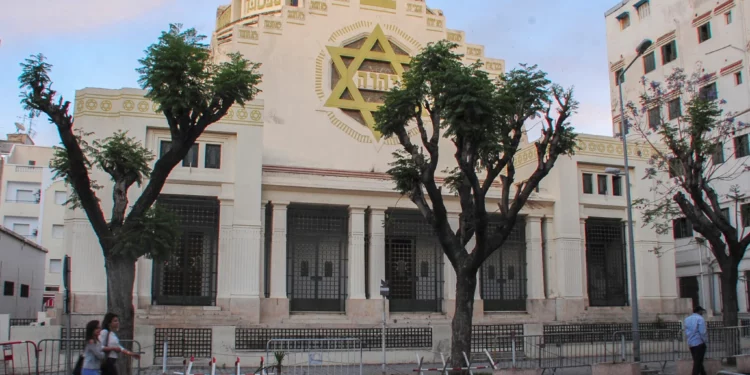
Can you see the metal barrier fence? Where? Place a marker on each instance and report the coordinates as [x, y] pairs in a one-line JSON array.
[[584, 349], [670, 345], [553, 351], [54, 358], [21, 322], [314, 356], [19, 358]]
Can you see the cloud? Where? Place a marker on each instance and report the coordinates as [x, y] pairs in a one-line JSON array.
[[32, 18]]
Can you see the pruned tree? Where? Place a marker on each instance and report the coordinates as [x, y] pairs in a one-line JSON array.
[[192, 91], [484, 120], [682, 120]]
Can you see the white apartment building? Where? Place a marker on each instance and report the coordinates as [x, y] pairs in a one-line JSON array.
[[32, 205], [709, 38]]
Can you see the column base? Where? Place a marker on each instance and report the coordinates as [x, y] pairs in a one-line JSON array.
[[246, 307], [542, 310], [449, 307], [89, 303], [569, 309], [274, 310], [366, 310], [143, 302]]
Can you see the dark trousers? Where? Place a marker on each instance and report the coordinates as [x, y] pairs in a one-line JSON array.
[[698, 353]]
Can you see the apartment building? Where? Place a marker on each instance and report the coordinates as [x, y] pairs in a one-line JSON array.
[[709, 38], [32, 204]]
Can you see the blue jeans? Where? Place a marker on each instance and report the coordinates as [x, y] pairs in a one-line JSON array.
[[89, 371]]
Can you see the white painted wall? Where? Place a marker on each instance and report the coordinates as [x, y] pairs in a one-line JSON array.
[[22, 264]]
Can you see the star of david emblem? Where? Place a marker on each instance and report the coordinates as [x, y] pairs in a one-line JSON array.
[[376, 47]]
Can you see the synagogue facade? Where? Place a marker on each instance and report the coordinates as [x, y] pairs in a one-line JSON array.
[[289, 219]]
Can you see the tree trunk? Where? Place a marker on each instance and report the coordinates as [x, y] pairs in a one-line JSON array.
[[729, 337], [120, 279], [466, 285], [729, 278]]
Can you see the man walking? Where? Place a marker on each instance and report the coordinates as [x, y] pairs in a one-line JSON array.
[[695, 332]]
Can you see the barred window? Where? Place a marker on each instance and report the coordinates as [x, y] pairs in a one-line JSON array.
[[191, 159], [682, 228], [741, 146], [213, 156]]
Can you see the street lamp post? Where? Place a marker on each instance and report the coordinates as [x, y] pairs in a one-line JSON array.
[[640, 50]]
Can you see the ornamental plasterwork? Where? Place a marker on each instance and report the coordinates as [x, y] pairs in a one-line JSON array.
[[133, 105], [363, 61], [590, 146]]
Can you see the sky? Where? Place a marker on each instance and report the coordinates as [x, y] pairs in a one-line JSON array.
[[94, 43]]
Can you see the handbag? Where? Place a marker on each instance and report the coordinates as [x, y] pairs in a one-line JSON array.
[[104, 366], [79, 366]]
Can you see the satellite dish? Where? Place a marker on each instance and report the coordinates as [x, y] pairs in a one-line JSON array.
[[20, 127]]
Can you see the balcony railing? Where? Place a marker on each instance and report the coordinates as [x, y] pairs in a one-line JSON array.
[[28, 201], [27, 168]]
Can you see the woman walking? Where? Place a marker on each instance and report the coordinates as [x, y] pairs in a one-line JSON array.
[[108, 336], [94, 353]]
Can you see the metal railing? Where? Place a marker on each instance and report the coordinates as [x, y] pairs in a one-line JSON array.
[[584, 349], [552, 351], [670, 345], [315, 356], [19, 357], [21, 322], [54, 357]]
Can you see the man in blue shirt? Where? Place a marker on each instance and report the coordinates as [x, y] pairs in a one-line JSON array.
[[697, 337]]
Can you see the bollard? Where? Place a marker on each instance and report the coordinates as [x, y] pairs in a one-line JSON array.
[[164, 359]]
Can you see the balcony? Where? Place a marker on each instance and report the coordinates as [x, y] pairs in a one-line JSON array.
[[23, 201], [28, 169]]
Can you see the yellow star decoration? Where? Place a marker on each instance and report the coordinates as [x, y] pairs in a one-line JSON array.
[[346, 81]]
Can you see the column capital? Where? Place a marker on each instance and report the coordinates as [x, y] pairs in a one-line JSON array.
[[534, 218], [280, 205], [378, 209], [357, 209]]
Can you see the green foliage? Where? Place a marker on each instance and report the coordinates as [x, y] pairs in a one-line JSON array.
[[35, 81], [181, 76], [155, 235], [122, 157], [405, 171], [60, 165], [484, 119], [684, 168]]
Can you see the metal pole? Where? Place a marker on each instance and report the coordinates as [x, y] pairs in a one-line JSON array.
[[383, 338], [631, 241]]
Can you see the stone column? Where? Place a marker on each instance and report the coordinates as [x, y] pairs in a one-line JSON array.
[[534, 259], [278, 251], [377, 251], [550, 258], [245, 257], [356, 253], [262, 250], [88, 277], [584, 251], [144, 272]]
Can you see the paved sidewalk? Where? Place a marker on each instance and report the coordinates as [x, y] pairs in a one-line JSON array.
[[403, 369]]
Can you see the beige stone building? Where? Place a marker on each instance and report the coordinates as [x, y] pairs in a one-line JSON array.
[[290, 221], [708, 38]]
